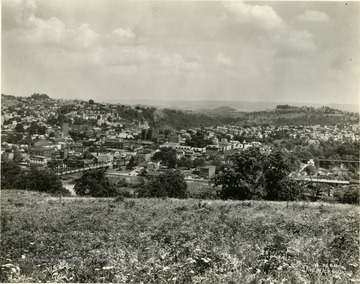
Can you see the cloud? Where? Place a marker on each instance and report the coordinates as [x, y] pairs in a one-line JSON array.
[[85, 36], [178, 62], [26, 27], [50, 30], [222, 59], [294, 41], [125, 36], [262, 16], [124, 33], [275, 32], [312, 16], [125, 56]]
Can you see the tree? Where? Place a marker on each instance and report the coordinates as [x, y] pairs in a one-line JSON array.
[[233, 185], [310, 170], [198, 140], [199, 162], [91, 102], [14, 138], [349, 194], [184, 162], [243, 177], [10, 174], [19, 127], [169, 184], [94, 183], [52, 120], [278, 185], [167, 156], [252, 174], [41, 130], [131, 163], [37, 96], [36, 129], [44, 181], [216, 160]]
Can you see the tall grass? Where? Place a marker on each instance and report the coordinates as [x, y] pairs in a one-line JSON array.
[[176, 241]]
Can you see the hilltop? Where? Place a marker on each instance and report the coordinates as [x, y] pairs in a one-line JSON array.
[[176, 119], [304, 115], [241, 106]]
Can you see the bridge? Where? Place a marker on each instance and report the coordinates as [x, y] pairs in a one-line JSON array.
[[64, 170], [333, 161], [328, 181]]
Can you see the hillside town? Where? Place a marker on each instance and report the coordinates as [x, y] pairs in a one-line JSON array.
[[61, 135]]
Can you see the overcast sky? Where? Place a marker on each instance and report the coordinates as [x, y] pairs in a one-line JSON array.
[[246, 51]]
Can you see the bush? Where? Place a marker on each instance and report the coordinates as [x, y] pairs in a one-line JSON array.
[[169, 184], [252, 174], [124, 192], [95, 183], [12, 176], [347, 195]]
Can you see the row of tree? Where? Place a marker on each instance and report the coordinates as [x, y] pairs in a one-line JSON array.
[[13, 177], [250, 174], [168, 184]]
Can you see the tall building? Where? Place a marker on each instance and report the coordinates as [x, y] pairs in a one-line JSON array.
[[174, 138], [65, 129], [146, 134]]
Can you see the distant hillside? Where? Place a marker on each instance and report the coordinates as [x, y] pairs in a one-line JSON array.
[[223, 110], [242, 106], [168, 118], [293, 115]]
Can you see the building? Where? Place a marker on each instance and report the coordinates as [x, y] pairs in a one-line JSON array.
[[211, 149], [105, 158], [174, 138], [42, 151], [147, 134], [65, 129], [39, 161], [144, 156], [207, 172], [114, 143], [78, 148]]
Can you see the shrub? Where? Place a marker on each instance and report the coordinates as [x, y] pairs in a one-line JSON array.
[[12, 176], [95, 183], [252, 174], [169, 184], [347, 195]]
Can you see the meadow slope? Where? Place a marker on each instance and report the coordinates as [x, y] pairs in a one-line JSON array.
[[176, 241]]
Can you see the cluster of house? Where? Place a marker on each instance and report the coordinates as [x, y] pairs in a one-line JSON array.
[[308, 134], [61, 151], [339, 172], [136, 143]]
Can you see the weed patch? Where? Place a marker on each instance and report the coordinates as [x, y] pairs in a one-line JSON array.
[[176, 241]]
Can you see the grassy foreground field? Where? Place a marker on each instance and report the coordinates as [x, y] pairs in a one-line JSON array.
[[176, 241]]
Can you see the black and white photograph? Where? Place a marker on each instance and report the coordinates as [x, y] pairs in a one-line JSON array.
[[180, 141]]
